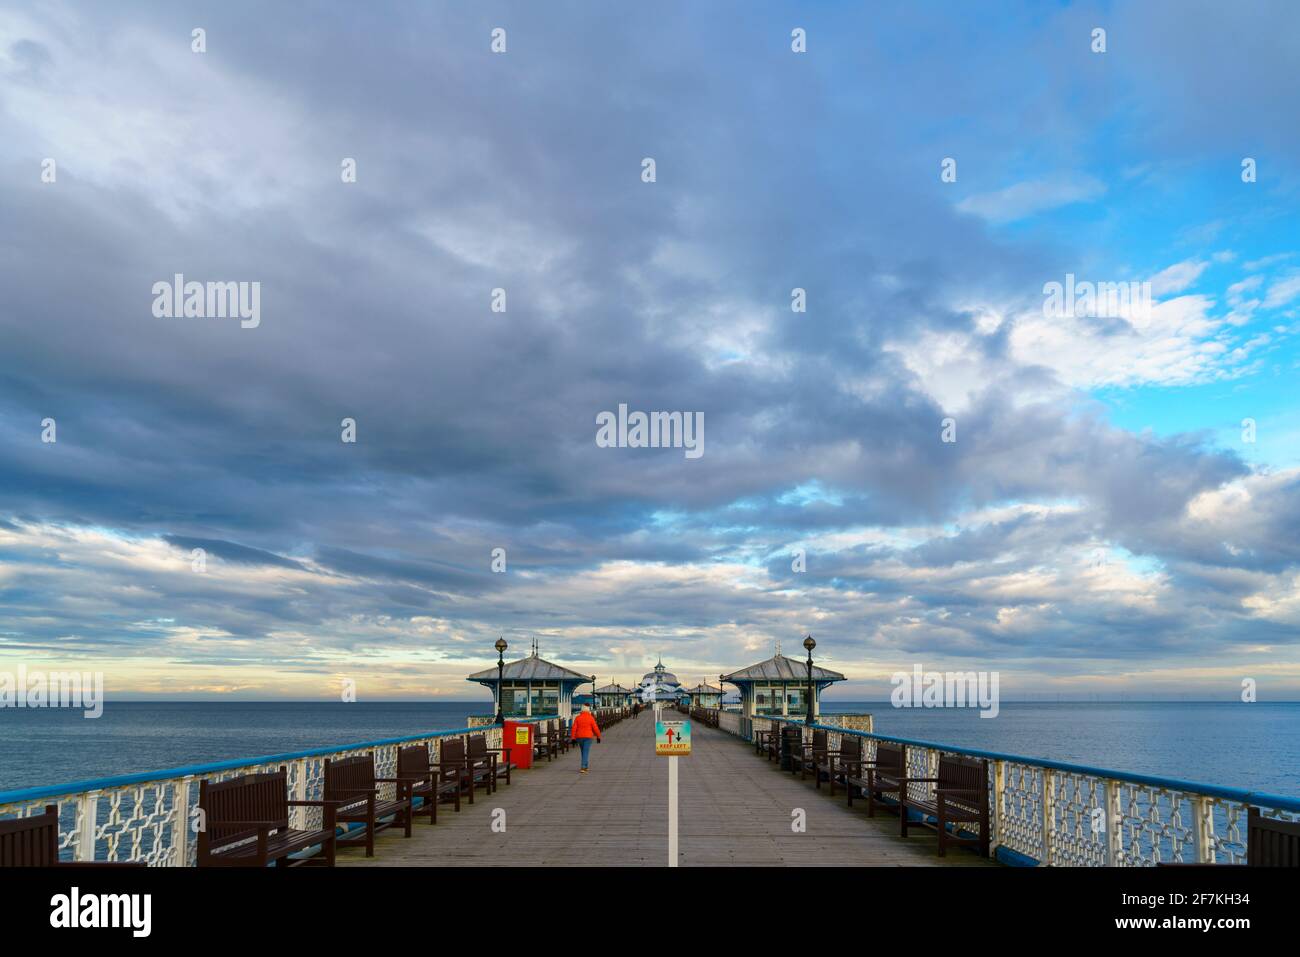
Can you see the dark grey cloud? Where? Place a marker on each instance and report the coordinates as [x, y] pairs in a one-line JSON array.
[[476, 428]]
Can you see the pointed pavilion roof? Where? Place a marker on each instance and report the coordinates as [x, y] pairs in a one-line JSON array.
[[531, 668], [703, 689], [781, 668]]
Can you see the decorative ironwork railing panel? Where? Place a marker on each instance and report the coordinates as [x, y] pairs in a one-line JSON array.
[[1062, 815], [151, 817]]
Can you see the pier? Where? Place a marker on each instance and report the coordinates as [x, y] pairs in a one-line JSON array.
[[734, 808]]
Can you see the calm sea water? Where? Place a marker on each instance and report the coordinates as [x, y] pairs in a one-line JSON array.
[[1254, 746]]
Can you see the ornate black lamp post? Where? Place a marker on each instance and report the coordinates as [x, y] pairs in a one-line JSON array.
[[595, 702], [501, 647], [810, 645]]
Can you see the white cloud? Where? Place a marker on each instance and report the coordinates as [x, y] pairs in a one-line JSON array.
[[1283, 291], [1032, 196], [1177, 277]]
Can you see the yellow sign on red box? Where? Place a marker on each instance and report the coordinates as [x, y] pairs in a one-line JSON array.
[[673, 737], [521, 735]]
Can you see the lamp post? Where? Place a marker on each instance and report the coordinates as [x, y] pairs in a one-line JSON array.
[[501, 647], [595, 699], [810, 645]]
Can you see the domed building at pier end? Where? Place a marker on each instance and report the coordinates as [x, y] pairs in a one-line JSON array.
[[659, 685]]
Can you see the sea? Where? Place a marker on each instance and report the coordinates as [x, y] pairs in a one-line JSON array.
[[1254, 746]]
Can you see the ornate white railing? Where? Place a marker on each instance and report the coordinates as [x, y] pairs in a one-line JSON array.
[[147, 816], [1056, 814], [854, 722]]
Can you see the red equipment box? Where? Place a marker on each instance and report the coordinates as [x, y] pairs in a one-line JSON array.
[[517, 740]]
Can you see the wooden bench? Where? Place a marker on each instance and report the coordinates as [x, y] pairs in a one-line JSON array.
[[789, 744], [836, 764], [452, 754], [33, 841], [961, 796], [351, 783], [488, 762], [1271, 842], [246, 823], [430, 782], [762, 739], [810, 755], [497, 760], [546, 741], [772, 742], [881, 776]]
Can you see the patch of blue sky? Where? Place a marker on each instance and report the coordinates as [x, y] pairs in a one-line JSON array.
[[1144, 565], [808, 493], [1220, 410]]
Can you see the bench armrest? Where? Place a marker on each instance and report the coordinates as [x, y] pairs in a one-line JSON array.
[[260, 825], [328, 810]]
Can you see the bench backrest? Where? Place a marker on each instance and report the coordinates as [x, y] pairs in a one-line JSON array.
[[850, 746], [890, 757], [250, 797], [819, 741], [31, 841], [478, 749], [413, 760], [346, 776], [967, 773], [452, 751], [1271, 842]]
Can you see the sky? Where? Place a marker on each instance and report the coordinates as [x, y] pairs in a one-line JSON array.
[[928, 465]]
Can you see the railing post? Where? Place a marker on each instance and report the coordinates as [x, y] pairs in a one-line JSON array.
[[181, 821], [87, 814], [300, 793], [1114, 825], [995, 817], [1049, 812], [1203, 828]]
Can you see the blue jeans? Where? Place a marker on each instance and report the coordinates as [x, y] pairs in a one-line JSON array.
[[585, 744]]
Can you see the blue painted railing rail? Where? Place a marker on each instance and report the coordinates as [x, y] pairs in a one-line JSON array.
[[1063, 814], [148, 816], [195, 770]]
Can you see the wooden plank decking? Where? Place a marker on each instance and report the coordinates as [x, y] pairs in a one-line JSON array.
[[733, 809]]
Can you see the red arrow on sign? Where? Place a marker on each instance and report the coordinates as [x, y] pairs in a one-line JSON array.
[[670, 736]]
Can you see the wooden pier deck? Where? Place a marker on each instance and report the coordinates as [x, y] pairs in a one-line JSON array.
[[734, 808]]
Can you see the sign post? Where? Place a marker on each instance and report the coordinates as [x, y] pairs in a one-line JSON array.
[[672, 810], [673, 739]]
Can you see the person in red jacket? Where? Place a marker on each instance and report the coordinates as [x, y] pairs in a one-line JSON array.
[[582, 732]]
